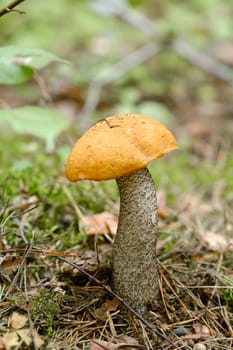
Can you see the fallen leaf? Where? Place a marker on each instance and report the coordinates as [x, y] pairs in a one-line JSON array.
[[201, 328], [102, 345], [214, 241], [9, 264], [23, 202], [111, 305], [25, 335], [125, 342], [126, 339], [99, 223], [38, 339], [9, 340], [162, 211], [17, 320]]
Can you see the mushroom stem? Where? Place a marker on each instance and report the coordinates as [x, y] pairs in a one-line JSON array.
[[134, 249]]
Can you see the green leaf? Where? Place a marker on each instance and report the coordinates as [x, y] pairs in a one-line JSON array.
[[28, 56], [44, 123], [10, 74], [17, 64]]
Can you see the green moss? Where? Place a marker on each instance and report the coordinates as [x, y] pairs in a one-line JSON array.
[[180, 172], [43, 312]]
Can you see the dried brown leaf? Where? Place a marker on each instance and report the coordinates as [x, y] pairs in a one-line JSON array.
[[162, 205], [9, 264], [201, 329], [9, 340], [126, 342], [17, 320], [214, 241], [25, 335], [111, 305], [99, 223], [132, 342], [102, 345], [24, 202]]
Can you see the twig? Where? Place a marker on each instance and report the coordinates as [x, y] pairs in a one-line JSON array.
[[180, 284], [27, 252], [181, 47], [42, 86], [121, 10], [113, 294], [10, 8], [214, 291], [174, 292], [73, 202], [126, 346], [163, 299], [227, 320], [31, 325], [37, 251], [118, 69], [201, 59]]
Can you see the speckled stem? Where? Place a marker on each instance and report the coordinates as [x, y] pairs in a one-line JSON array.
[[134, 249]]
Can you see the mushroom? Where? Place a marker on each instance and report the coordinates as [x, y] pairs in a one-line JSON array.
[[120, 147]]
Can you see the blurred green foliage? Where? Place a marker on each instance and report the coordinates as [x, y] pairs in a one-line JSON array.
[[98, 41], [41, 122], [17, 64], [93, 37]]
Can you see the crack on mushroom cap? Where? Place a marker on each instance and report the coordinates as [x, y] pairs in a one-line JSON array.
[[105, 153]]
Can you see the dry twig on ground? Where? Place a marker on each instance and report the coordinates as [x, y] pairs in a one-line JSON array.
[[109, 291]]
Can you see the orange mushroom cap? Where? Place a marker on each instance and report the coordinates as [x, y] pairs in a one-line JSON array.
[[117, 146]]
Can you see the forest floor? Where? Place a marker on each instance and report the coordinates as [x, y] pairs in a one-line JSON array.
[[45, 221], [56, 237]]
